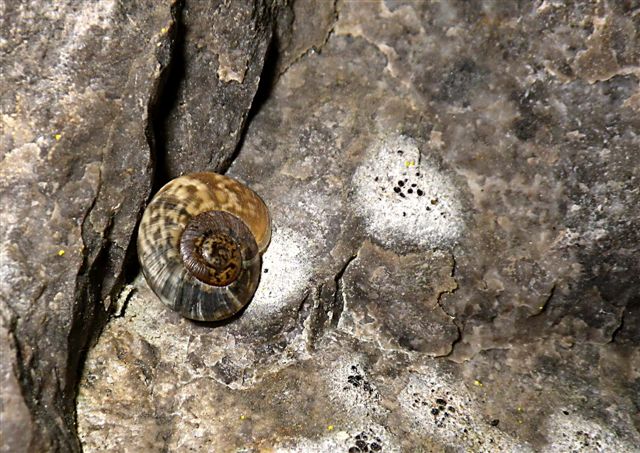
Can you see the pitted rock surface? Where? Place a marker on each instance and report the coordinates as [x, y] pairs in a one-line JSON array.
[[493, 310]]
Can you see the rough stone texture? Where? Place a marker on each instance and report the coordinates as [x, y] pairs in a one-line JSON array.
[[454, 190], [219, 59], [303, 28], [402, 311], [81, 86], [78, 83], [454, 262]]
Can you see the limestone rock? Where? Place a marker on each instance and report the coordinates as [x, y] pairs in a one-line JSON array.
[[453, 265], [442, 183], [445, 179], [220, 55], [79, 83], [83, 92]]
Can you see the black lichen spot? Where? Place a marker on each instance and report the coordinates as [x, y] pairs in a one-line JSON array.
[[565, 69], [355, 380], [400, 151], [266, 271], [435, 411], [366, 443], [401, 183], [441, 402], [525, 128], [396, 189], [409, 190], [420, 192], [354, 450], [494, 422]]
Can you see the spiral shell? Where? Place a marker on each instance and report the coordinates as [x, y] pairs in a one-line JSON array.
[[200, 243]]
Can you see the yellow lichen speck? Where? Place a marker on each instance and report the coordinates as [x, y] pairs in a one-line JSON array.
[[330, 427], [477, 383], [60, 252], [57, 137]]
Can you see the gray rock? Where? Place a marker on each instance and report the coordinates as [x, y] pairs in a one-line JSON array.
[[402, 294], [453, 189], [220, 55], [82, 97], [79, 83], [453, 263]]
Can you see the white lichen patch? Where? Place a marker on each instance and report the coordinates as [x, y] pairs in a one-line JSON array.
[[371, 438], [285, 273], [571, 432], [443, 409], [404, 198], [352, 388]]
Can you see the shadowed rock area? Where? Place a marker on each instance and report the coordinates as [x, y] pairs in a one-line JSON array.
[[220, 52], [454, 259]]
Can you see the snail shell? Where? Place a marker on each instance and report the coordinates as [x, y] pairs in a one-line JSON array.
[[200, 243]]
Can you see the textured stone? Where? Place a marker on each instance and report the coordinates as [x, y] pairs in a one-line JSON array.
[[83, 98], [393, 300], [79, 83], [303, 28], [516, 265], [359, 283], [221, 50]]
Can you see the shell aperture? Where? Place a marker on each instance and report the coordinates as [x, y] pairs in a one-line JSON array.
[[200, 243]]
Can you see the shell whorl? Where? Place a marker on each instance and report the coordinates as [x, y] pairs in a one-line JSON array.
[[199, 244]]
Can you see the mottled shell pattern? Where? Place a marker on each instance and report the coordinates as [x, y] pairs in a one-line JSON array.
[[200, 243]]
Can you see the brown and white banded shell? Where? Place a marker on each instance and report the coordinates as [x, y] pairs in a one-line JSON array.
[[200, 243]]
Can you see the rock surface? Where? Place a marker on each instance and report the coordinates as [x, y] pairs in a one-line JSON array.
[[77, 87], [82, 93], [221, 49], [454, 190]]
